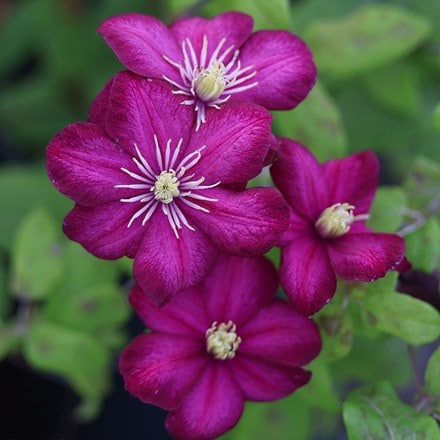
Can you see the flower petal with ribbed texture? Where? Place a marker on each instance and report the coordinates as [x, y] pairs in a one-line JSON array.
[[264, 381], [84, 164], [213, 406], [366, 257], [285, 69], [280, 335], [300, 179], [140, 41], [243, 223], [173, 318], [161, 369], [353, 179], [165, 265], [237, 288], [306, 274]]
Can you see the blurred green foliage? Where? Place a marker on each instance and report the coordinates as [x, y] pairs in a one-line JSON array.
[[378, 88]]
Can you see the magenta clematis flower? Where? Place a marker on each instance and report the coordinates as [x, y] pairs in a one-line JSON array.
[[211, 61], [148, 186], [213, 347], [327, 235]]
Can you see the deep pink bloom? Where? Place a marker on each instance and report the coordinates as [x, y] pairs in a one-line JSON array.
[[148, 186], [217, 345], [211, 61], [327, 235]]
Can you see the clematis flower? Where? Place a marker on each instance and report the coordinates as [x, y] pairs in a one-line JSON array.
[[217, 345], [148, 186], [211, 61], [327, 236]]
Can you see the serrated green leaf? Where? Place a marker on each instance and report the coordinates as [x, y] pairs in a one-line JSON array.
[[375, 412], [36, 256], [370, 37], [336, 331], [277, 420], [408, 318], [83, 361], [90, 309], [318, 110], [267, 15], [22, 189], [423, 246], [387, 209]]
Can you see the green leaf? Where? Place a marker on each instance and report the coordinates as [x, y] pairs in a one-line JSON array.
[[177, 7], [375, 412], [95, 307], [320, 391], [373, 359], [395, 88], [423, 246], [408, 318], [36, 256], [432, 380], [83, 361], [267, 15], [31, 188], [318, 110], [277, 420], [336, 331], [9, 340], [387, 209], [5, 300], [423, 186], [369, 38], [436, 117]]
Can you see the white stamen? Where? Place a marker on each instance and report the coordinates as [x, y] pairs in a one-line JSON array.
[[222, 341], [210, 83], [166, 186]]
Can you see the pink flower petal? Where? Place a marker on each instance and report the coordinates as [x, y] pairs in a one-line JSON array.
[[238, 288], [83, 163], [299, 177], [140, 109], [213, 406], [353, 179], [98, 109], [280, 335], [102, 229], [165, 265], [235, 27], [366, 257], [140, 41], [306, 274], [237, 140], [243, 223], [263, 381], [161, 369], [285, 69], [174, 317]]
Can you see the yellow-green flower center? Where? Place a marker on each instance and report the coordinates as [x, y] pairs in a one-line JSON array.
[[336, 220], [222, 340], [166, 187], [210, 82]]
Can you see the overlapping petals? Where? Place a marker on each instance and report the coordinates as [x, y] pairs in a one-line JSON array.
[[329, 206], [266, 364], [118, 168], [271, 68]]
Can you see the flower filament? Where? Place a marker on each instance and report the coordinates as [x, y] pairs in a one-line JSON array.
[[336, 220], [165, 188], [222, 340], [209, 83]]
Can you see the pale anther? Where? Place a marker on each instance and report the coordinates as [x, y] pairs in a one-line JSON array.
[[222, 341]]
